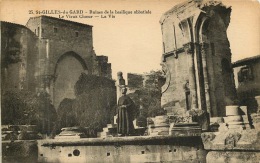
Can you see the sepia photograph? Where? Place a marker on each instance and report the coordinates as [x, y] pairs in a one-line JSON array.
[[128, 81]]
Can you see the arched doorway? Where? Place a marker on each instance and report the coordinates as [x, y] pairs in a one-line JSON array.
[[67, 71]]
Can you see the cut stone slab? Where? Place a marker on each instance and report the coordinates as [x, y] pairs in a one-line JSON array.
[[233, 110], [186, 124], [216, 120], [232, 140], [185, 129], [185, 132]]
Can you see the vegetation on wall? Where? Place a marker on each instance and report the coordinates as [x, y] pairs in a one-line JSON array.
[[93, 105], [149, 96], [27, 108], [11, 46]]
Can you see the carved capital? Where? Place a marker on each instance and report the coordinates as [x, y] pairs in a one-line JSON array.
[[232, 139], [189, 48], [207, 137]]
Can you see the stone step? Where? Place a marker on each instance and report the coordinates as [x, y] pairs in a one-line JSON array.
[[161, 120], [186, 128], [104, 134], [185, 124], [111, 125], [158, 126], [235, 123], [237, 127], [216, 120], [234, 118], [159, 133], [185, 133], [112, 130], [160, 129]]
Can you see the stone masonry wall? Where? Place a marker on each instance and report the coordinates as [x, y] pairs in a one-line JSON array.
[[131, 149], [196, 52], [65, 51], [46, 51], [248, 82], [19, 46], [179, 74], [221, 78], [62, 38]]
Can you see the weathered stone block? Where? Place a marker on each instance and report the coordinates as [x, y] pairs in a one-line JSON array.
[[200, 116], [209, 71], [233, 110], [232, 156], [223, 127]]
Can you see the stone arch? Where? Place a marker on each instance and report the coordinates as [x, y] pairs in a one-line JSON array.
[[203, 30], [201, 36], [68, 68], [195, 24], [73, 54]]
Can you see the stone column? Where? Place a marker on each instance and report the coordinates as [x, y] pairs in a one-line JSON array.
[[189, 49], [204, 47]]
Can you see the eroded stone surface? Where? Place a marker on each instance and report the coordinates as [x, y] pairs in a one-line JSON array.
[[231, 139], [230, 157], [199, 72]]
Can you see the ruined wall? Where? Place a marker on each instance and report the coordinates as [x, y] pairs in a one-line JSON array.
[[102, 67], [179, 75], [65, 51], [220, 73], [247, 80], [64, 36], [19, 46], [131, 149], [197, 58]]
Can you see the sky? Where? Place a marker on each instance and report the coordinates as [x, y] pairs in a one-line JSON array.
[[133, 42]]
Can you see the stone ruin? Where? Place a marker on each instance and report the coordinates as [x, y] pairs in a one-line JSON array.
[[197, 58], [199, 93], [204, 121]]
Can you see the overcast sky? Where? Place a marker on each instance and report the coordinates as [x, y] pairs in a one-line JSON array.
[[133, 42]]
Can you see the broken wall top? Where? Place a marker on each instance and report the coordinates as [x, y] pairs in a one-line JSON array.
[[193, 7]]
